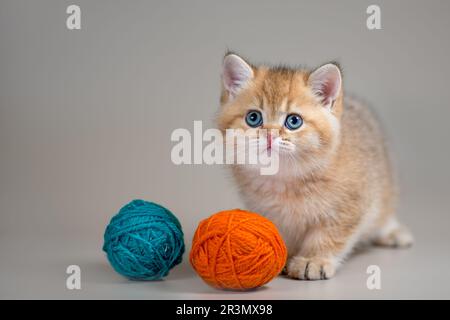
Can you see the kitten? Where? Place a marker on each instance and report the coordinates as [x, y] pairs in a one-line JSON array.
[[334, 187]]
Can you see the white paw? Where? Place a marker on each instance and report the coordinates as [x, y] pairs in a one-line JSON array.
[[314, 268], [399, 237]]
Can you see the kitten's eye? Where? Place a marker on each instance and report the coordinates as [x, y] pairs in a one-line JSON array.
[[293, 121], [254, 119]]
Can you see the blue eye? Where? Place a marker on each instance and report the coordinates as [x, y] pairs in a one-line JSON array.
[[293, 121], [254, 119]]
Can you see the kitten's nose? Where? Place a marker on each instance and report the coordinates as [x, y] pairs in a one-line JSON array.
[[271, 134], [269, 140], [272, 131]]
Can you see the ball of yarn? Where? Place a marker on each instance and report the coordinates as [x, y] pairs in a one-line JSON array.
[[144, 241], [237, 250]]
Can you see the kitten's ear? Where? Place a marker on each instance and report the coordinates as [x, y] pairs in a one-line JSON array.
[[236, 73], [326, 83]]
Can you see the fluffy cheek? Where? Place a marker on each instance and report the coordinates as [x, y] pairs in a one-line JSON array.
[[309, 142], [239, 135], [317, 140]]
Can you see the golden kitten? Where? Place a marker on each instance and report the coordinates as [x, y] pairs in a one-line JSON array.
[[334, 187]]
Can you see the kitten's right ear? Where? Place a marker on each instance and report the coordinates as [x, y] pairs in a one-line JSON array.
[[326, 83], [236, 73]]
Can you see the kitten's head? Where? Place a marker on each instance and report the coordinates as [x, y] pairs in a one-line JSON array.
[[301, 109]]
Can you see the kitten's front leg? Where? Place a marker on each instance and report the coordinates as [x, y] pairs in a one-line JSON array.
[[312, 268], [319, 255]]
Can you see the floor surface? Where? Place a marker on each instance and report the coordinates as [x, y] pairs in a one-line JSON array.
[[36, 269]]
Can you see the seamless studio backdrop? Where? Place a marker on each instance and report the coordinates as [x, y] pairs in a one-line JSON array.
[[86, 118]]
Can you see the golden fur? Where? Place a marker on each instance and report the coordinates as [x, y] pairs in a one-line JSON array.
[[335, 189]]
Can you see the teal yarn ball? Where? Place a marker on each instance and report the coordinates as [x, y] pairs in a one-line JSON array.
[[144, 241]]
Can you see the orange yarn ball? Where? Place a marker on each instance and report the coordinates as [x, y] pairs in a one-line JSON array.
[[237, 250]]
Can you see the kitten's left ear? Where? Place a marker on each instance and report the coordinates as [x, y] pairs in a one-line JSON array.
[[236, 74], [326, 82]]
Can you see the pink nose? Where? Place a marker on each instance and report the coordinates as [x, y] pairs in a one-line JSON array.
[[269, 140]]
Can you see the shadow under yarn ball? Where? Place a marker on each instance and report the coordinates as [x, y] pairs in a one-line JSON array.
[[144, 241]]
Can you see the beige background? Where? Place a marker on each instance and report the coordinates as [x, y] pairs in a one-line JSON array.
[[86, 118]]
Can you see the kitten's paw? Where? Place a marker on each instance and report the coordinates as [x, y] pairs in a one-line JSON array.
[[399, 238], [315, 268]]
